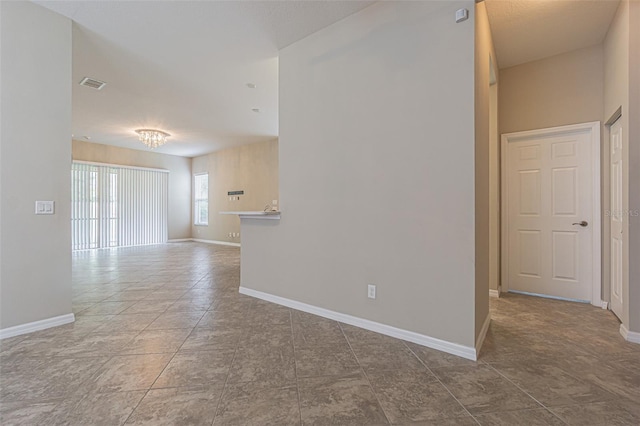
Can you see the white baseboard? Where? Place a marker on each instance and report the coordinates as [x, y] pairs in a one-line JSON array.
[[180, 240], [629, 336], [221, 243], [483, 334], [30, 327], [494, 293], [431, 342]]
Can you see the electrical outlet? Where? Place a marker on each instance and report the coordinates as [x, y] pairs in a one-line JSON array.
[[371, 291], [229, 234]]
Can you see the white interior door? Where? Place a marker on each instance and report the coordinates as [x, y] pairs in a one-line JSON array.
[[551, 223], [615, 216]]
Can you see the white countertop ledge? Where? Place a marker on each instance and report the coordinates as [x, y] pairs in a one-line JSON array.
[[256, 215]]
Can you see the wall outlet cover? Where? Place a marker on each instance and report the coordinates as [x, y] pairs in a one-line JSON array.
[[371, 291]]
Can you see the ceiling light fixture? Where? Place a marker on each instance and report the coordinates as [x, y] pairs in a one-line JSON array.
[[152, 138]]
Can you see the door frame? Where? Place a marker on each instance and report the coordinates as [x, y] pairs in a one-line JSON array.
[[607, 287], [593, 129]]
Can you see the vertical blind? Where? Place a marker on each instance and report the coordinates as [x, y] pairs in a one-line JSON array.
[[113, 206]]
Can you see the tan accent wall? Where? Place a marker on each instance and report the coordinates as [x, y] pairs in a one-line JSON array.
[[556, 91], [250, 168], [35, 163], [179, 177]]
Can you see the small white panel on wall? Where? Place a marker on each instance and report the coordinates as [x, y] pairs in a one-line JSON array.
[[45, 207]]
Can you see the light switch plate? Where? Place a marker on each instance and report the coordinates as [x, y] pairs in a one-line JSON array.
[[45, 207]]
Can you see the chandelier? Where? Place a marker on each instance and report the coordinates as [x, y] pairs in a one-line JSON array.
[[152, 138]]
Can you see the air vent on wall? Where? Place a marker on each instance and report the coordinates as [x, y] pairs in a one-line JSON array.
[[94, 84]]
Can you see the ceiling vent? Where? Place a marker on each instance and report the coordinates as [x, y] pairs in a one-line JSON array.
[[94, 84]]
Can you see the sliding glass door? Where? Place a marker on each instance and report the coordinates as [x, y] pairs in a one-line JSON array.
[[113, 206]]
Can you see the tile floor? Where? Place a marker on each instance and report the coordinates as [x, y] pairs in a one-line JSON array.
[[163, 337]]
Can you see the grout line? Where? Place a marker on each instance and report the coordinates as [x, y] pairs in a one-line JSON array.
[[525, 392], [295, 363], [364, 373], [440, 381], [226, 380], [160, 374]]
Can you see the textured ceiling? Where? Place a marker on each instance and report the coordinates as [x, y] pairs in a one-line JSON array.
[[527, 30], [183, 67]]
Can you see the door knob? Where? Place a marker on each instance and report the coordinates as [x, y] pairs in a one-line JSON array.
[[583, 223]]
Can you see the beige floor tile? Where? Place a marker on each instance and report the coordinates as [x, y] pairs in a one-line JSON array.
[[275, 365], [335, 360], [91, 408], [387, 355], [156, 341], [601, 413], [46, 378], [129, 373], [339, 401], [149, 307], [569, 356], [535, 417], [410, 396], [482, 390], [177, 406], [551, 385], [317, 333], [126, 323], [258, 404], [175, 319], [19, 413], [199, 368], [202, 339], [107, 308]]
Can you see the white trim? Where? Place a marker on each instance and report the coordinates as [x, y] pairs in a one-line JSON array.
[[494, 293], [221, 243], [268, 214], [120, 166], [179, 240], [594, 130], [431, 342], [483, 334], [30, 327], [629, 336]]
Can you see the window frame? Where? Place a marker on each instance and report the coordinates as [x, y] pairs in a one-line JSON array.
[[197, 200]]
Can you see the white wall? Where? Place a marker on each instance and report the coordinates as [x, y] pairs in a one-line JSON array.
[[179, 222], [35, 255], [377, 172], [250, 168]]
